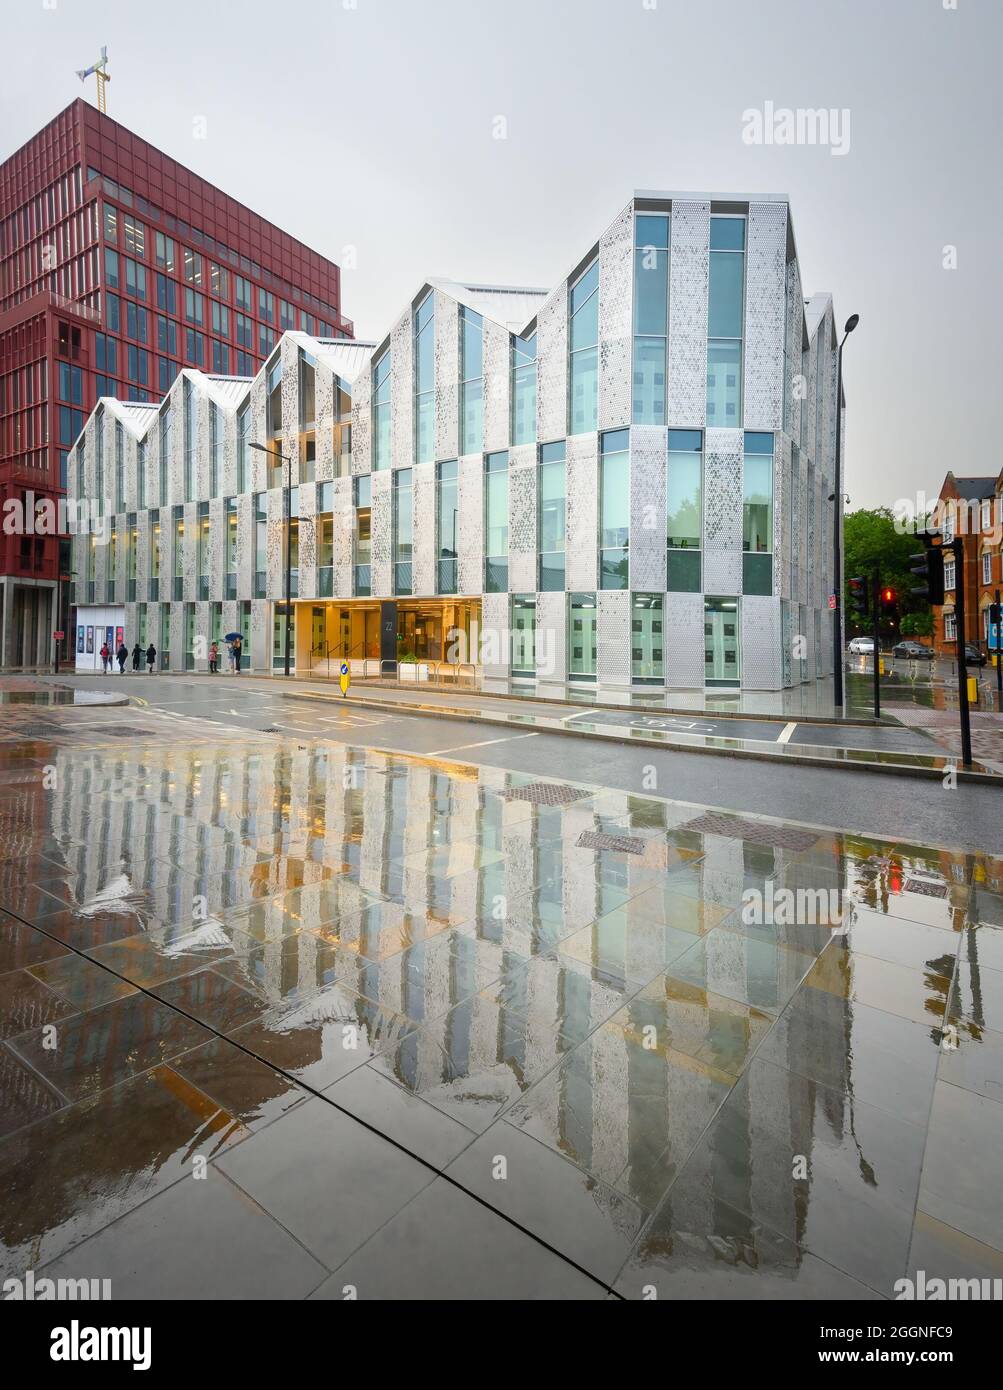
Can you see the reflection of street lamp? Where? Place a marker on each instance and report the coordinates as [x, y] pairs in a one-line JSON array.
[[72, 574], [287, 509], [837, 537]]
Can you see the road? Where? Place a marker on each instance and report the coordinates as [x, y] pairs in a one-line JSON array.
[[900, 808]]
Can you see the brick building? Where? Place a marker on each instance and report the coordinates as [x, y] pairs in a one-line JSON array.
[[119, 267]]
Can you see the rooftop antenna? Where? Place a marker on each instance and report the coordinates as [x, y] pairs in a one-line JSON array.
[[100, 71]]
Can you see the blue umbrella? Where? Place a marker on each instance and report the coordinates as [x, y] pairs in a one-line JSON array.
[[232, 636]]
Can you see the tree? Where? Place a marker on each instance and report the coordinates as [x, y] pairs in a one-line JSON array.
[[870, 540], [917, 625]]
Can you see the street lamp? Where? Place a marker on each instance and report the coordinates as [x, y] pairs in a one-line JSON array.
[[837, 529], [287, 509]]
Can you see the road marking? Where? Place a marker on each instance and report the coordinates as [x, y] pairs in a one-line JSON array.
[[788, 730], [567, 718], [509, 738]]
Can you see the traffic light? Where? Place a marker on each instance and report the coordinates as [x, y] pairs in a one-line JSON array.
[[928, 566], [888, 597], [859, 605]]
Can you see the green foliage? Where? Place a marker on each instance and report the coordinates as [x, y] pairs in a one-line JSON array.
[[917, 625], [870, 539]]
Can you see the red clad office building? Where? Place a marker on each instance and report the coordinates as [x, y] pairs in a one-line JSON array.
[[118, 267]]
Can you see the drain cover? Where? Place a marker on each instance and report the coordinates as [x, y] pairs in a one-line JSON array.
[[925, 887], [545, 794], [757, 833], [620, 844]]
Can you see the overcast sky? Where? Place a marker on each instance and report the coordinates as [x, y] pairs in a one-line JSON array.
[[371, 124]]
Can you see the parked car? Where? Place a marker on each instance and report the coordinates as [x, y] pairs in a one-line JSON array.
[[862, 646], [912, 651], [974, 656]]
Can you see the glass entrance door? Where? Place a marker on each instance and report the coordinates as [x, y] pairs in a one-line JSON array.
[[722, 657]]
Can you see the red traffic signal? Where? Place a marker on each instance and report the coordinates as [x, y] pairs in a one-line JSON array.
[[888, 596]]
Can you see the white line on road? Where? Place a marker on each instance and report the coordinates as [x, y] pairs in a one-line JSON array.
[[788, 730], [509, 738], [567, 718]]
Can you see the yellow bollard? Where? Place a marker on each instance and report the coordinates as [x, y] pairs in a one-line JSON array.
[[973, 690], [881, 666]]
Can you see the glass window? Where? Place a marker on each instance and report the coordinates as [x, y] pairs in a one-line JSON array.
[[192, 265], [583, 339], [273, 410], [725, 314], [403, 531], [647, 659], [722, 665], [424, 380], [496, 523], [111, 268], [523, 653], [582, 637], [471, 381], [164, 252], [381, 413], [684, 510], [551, 497], [447, 526], [758, 493], [523, 425], [651, 319], [614, 510]]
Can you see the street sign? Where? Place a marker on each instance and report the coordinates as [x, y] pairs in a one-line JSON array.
[[58, 636], [345, 678], [832, 601], [994, 637]]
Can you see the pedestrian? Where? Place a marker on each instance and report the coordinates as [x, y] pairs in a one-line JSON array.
[[237, 645], [123, 657], [229, 656], [105, 657], [213, 658], [137, 657], [151, 656]]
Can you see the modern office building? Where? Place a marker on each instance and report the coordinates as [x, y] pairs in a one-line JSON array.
[[119, 267], [622, 481]]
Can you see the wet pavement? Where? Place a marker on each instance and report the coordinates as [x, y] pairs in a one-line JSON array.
[[284, 1019]]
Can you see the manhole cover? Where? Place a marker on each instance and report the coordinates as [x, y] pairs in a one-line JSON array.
[[545, 794], [36, 730], [620, 844], [737, 828], [926, 888]]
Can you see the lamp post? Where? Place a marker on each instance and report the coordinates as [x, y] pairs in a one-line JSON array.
[[287, 459], [837, 528]]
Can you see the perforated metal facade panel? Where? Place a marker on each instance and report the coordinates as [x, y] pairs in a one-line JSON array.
[[689, 270], [684, 640], [401, 392], [648, 462], [613, 637], [423, 501], [447, 377], [522, 548], [552, 366], [471, 491], [582, 512], [765, 306], [616, 320]]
